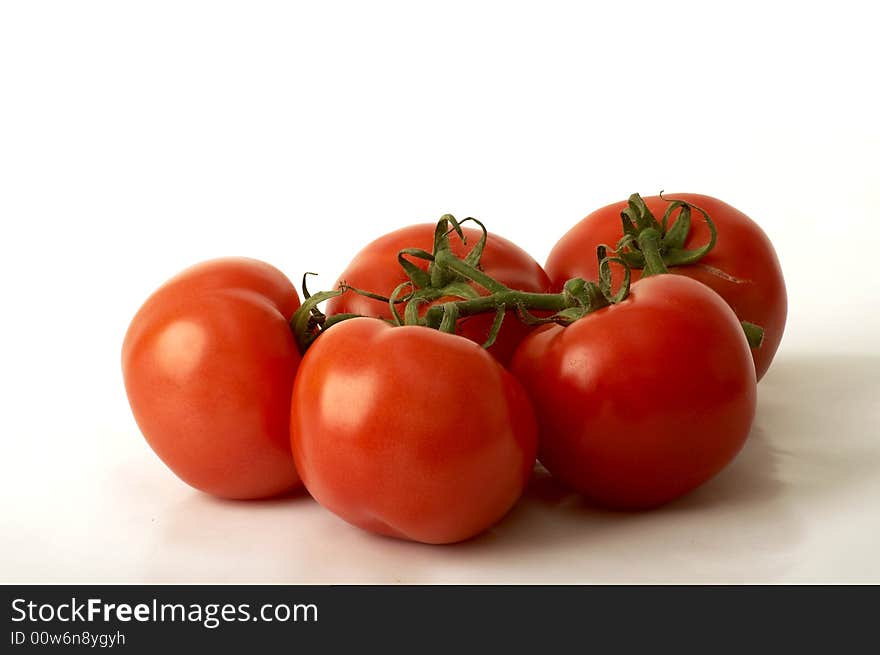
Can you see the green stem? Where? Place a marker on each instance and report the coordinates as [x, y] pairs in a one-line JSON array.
[[446, 259], [306, 320], [649, 246], [552, 302], [754, 334], [637, 221]]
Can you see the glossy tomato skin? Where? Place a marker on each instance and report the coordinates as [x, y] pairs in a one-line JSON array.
[[375, 269], [641, 402], [209, 362], [410, 432], [742, 267]]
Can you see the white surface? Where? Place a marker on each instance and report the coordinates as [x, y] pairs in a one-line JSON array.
[[135, 141]]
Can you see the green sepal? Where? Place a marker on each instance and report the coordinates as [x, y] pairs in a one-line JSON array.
[[500, 313], [456, 290], [669, 248], [450, 316], [473, 257], [675, 236], [419, 277], [754, 334], [568, 316], [304, 322]]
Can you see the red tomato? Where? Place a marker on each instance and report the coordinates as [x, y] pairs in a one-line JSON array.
[[375, 268], [410, 432], [641, 402], [209, 362], [742, 267]]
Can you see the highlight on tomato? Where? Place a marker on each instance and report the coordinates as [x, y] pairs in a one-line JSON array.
[[209, 362], [725, 250]]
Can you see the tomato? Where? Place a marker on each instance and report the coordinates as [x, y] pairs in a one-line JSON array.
[[209, 362], [375, 269], [642, 401], [742, 267], [410, 432]]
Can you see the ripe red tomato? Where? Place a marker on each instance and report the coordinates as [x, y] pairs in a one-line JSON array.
[[209, 362], [410, 432], [642, 401], [742, 267], [375, 269]]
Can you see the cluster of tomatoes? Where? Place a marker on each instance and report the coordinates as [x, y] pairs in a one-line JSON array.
[[447, 360]]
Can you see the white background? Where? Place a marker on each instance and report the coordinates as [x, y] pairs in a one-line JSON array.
[[139, 138]]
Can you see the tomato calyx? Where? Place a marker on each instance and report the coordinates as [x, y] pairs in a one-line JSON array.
[[308, 321], [655, 245], [439, 280]]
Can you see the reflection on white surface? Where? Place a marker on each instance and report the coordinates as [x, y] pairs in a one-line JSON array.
[[798, 504]]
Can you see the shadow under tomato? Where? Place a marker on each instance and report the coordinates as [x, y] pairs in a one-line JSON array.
[[822, 413], [297, 494], [742, 526], [807, 445], [750, 479], [202, 538]]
